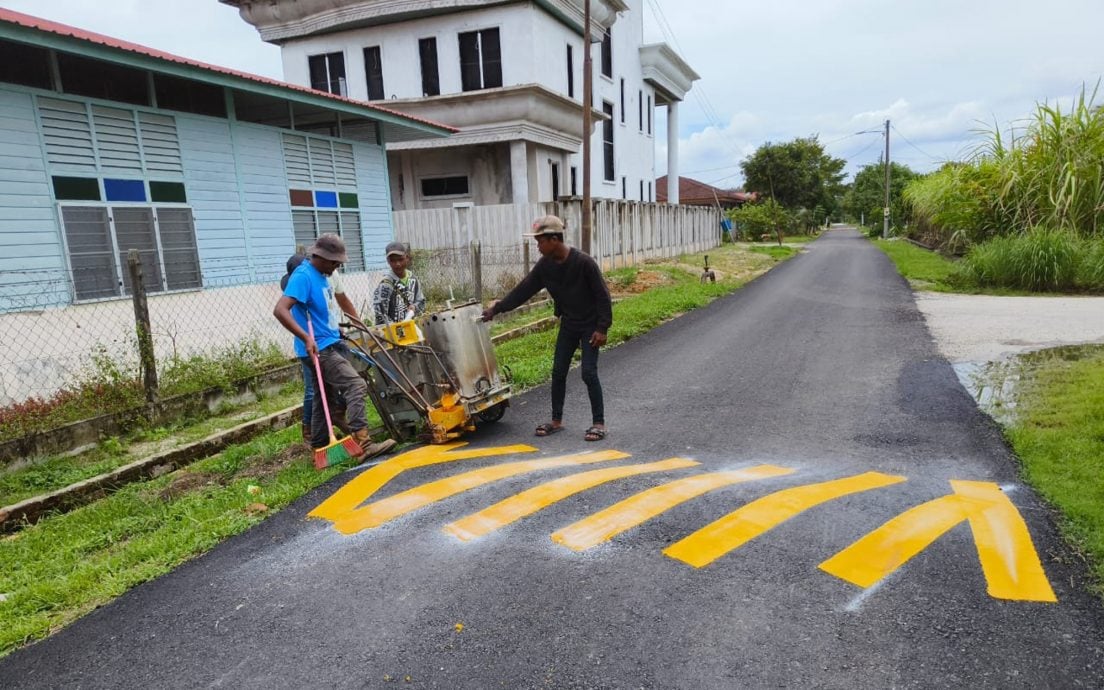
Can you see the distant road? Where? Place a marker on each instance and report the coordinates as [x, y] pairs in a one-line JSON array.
[[795, 492]]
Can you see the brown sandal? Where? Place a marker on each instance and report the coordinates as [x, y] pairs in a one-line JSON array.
[[595, 433], [548, 429]]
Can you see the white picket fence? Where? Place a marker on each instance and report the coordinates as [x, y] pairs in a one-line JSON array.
[[624, 233]]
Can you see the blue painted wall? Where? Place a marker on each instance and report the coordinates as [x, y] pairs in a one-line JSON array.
[[236, 185]]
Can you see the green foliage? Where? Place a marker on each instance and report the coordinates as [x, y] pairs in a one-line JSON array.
[[923, 269], [112, 384], [797, 174], [1058, 434], [67, 565], [1041, 260], [865, 198], [1051, 176], [767, 217]]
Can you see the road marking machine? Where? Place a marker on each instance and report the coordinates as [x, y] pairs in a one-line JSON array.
[[432, 378]]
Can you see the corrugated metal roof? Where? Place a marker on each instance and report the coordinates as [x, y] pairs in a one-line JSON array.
[[64, 30]]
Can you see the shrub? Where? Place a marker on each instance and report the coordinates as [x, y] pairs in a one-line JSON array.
[[1040, 260]]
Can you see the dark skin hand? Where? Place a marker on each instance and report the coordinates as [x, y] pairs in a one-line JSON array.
[[554, 248]]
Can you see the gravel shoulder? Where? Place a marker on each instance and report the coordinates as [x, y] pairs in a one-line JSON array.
[[986, 328]]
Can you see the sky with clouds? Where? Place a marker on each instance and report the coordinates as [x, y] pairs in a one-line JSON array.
[[939, 70]]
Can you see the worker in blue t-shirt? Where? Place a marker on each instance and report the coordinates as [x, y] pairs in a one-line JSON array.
[[309, 293]]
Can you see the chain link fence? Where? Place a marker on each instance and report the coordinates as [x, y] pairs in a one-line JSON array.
[[49, 343]]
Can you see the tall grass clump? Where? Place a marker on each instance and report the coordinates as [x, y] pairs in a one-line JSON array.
[[1052, 176], [1041, 260]]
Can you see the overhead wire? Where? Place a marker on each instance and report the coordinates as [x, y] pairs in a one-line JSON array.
[[697, 92]]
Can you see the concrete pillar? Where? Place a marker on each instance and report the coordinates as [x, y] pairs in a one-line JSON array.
[[519, 172], [672, 153]]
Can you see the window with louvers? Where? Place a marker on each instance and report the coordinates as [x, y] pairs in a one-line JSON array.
[[99, 239]]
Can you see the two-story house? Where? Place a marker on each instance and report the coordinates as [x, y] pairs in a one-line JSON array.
[[508, 75]]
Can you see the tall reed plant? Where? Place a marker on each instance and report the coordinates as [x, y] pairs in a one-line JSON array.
[[1051, 175]]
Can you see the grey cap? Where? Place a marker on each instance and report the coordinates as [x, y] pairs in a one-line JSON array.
[[329, 246], [396, 248]]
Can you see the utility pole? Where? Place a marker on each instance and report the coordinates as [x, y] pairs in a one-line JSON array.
[[584, 232], [885, 209]]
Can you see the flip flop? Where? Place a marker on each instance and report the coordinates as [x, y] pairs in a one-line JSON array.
[[547, 429], [594, 434]]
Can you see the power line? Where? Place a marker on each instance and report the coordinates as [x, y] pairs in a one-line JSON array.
[[697, 92], [934, 158]]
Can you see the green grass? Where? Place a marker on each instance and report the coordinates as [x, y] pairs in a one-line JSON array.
[[924, 269], [55, 571], [1058, 434], [59, 471], [65, 566]]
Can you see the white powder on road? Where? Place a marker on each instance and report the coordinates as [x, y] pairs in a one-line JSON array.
[[984, 328]]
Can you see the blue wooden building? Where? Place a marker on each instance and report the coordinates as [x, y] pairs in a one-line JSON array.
[[214, 175]]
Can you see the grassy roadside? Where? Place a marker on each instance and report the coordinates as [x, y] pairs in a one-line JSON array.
[[1058, 434], [55, 571], [59, 471], [1057, 429], [924, 269]]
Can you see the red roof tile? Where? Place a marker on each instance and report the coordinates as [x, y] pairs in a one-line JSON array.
[[696, 193], [45, 25]]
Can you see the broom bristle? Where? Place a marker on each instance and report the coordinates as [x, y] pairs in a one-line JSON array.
[[337, 452]]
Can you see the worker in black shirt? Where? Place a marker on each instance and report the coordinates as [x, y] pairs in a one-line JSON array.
[[583, 304]]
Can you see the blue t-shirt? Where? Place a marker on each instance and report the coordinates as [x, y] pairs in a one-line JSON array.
[[310, 289]]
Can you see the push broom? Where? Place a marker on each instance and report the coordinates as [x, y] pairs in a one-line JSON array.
[[335, 451]]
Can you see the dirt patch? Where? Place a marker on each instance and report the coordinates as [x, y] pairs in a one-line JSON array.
[[265, 468], [645, 280], [186, 481]]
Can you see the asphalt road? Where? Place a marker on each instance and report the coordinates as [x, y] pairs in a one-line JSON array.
[[822, 371]]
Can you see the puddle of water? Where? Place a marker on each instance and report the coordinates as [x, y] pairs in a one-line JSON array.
[[994, 384]]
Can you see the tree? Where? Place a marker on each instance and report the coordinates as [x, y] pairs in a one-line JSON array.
[[866, 196], [796, 174], [758, 219]]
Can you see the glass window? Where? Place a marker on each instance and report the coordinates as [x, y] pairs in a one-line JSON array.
[[327, 73], [480, 60], [445, 186], [427, 53], [607, 141], [373, 68], [570, 72], [607, 53]]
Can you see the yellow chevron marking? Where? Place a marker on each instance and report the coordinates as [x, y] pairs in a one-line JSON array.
[[744, 524], [361, 487], [1008, 557], [532, 500], [608, 523], [379, 512]]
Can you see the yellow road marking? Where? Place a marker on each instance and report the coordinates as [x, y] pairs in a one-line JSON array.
[[532, 500], [361, 487], [744, 524], [1008, 557], [379, 512], [609, 522]]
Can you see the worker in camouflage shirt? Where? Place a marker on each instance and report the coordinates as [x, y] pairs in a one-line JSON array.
[[398, 297]]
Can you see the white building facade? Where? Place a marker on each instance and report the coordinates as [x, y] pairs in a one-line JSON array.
[[508, 75]]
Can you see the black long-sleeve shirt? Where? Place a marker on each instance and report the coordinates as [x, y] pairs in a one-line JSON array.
[[577, 288]]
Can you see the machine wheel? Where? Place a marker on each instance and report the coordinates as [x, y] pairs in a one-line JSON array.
[[493, 413]]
